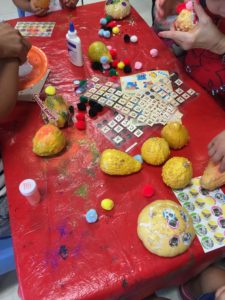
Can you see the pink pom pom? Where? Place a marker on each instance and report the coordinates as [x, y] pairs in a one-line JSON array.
[[154, 52], [109, 47], [138, 65], [189, 5]]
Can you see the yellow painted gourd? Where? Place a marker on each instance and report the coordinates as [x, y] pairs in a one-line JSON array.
[[117, 9], [98, 49], [212, 178], [175, 134], [155, 151], [177, 172], [57, 105], [48, 140], [116, 162]]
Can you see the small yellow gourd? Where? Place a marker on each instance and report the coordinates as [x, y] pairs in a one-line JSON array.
[[116, 162], [175, 134], [155, 151]]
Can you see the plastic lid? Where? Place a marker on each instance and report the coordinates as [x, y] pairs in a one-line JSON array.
[[27, 187], [72, 29]]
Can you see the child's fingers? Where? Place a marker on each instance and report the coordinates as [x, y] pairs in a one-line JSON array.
[[217, 156], [221, 290], [222, 169], [202, 16], [211, 151]]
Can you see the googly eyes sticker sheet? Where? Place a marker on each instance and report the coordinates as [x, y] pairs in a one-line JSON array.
[[207, 210]]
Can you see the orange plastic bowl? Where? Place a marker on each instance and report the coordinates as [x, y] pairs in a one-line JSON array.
[[39, 61]]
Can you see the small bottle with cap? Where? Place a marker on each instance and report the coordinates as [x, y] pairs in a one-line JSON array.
[[74, 46], [28, 188]]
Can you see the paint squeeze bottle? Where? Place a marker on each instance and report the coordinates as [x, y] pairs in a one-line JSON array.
[[28, 188], [74, 46]]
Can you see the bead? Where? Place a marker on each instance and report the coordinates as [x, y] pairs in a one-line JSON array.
[[134, 39], [121, 65], [107, 204], [154, 52], [50, 90], [138, 65], [116, 30], [91, 216]]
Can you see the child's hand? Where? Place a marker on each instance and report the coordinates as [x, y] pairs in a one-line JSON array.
[[164, 8], [37, 11], [69, 3], [204, 35], [12, 43], [220, 293], [216, 150]]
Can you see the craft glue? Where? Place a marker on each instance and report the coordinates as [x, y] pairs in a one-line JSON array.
[[28, 188], [74, 46]]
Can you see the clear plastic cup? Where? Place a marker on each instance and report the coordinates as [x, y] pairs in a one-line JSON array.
[[28, 188]]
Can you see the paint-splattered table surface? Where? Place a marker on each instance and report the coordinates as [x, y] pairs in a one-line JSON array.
[[59, 255]]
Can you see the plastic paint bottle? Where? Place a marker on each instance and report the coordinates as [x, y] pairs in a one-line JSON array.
[[28, 188], [74, 46]]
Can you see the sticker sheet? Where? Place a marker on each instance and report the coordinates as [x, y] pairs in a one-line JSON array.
[[143, 81], [44, 29], [207, 210], [153, 106]]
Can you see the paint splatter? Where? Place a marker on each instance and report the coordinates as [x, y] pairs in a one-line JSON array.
[[82, 190], [63, 252]]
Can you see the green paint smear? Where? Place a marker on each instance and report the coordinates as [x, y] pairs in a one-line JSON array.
[[95, 153], [82, 191]]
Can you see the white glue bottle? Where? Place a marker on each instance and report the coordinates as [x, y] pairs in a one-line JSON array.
[[74, 46]]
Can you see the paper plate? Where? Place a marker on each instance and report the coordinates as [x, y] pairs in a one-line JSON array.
[[38, 60]]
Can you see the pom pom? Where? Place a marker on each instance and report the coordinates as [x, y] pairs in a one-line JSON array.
[[80, 117], [180, 7], [83, 99], [148, 190], [103, 21], [189, 5], [112, 72], [138, 65], [139, 158], [91, 216], [114, 64], [98, 107], [126, 61], [121, 65], [50, 90], [106, 34], [71, 109], [113, 53], [93, 112], [106, 66], [112, 24], [134, 39], [109, 47], [107, 204], [126, 38], [80, 125], [96, 65], [127, 69], [154, 52], [101, 32], [108, 18], [103, 59], [81, 106], [116, 30]]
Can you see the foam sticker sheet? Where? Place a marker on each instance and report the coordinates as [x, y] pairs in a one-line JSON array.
[[207, 209], [44, 29]]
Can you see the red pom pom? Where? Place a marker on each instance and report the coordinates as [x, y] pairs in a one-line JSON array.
[[180, 7], [115, 63], [148, 190], [81, 125], [111, 24], [114, 78], [113, 53], [126, 61], [80, 116]]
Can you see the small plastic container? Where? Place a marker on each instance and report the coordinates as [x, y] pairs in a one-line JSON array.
[[28, 188]]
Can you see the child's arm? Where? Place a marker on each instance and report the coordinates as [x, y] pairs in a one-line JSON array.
[[27, 5], [8, 85], [216, 150], [204, 35], [69, 3]]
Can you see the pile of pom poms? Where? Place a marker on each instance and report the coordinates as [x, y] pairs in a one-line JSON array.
[[94, 109], [108, 27]]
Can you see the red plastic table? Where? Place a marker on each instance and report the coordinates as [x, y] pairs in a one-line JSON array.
[[58, 254]]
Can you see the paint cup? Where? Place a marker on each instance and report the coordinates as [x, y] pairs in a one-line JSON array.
[[28, 188]]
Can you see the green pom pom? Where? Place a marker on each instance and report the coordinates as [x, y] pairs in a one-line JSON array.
[[108, 18], [112, 72], [83, 99]]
